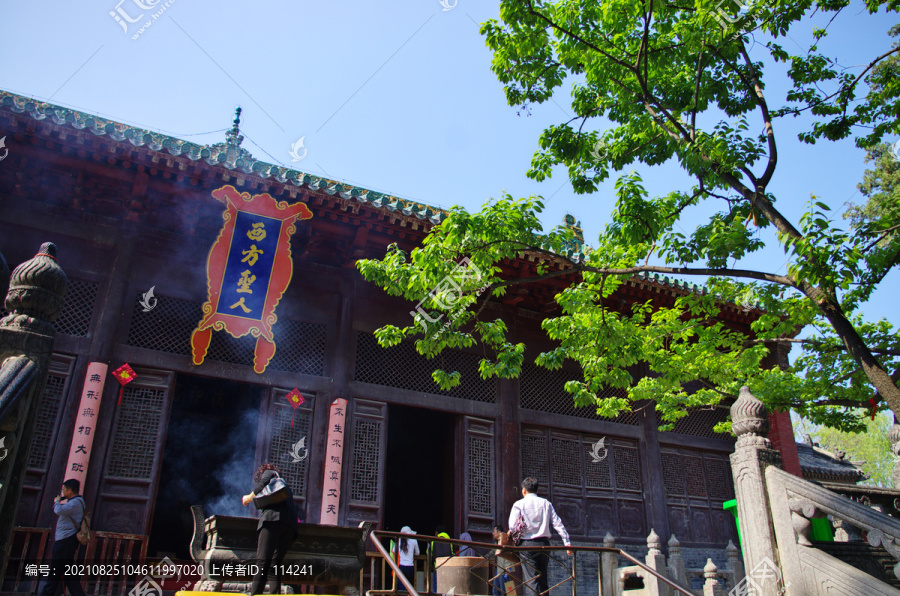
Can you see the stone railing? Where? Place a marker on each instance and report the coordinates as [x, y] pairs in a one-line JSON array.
[[627, 581], [774, 513]]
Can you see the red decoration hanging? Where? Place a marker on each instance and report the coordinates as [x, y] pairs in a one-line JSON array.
[[124, 375], [874, 407], [295, 399]]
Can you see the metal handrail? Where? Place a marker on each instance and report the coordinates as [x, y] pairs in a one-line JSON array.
[[377, 534]]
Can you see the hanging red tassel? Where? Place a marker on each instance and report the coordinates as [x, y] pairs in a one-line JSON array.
[[124, 375], [295, 399], [874, 407]]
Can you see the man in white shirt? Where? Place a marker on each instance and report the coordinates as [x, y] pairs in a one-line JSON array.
[[537, 514]]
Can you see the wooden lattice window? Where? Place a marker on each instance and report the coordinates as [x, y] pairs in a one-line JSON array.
[[283, 438], [402, 367], [134, 443], [365, 475], [301, 347], [168, 328], [628, 469], [78, 308], [48, 415], [534, 457], [697, 483], [567, 464], [481, 478], [592, 495], [544, 390], [700, 423]]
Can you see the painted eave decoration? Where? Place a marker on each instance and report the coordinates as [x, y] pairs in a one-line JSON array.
[[248, 269]]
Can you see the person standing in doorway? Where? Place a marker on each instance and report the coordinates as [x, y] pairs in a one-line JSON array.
[[70, 507], [406, 557], [439, 550], [537, 515]]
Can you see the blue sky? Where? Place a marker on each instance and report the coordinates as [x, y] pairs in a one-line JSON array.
[[396, 97]]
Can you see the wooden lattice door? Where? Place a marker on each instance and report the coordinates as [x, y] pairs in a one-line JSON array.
[[281, 445], [47, 433], [127, 490], [363, 480], [478, 479]]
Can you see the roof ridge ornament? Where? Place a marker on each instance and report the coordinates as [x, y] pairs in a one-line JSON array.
[[234, 137]]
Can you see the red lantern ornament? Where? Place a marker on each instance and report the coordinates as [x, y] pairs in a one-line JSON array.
[[295, 399], [124, 375]]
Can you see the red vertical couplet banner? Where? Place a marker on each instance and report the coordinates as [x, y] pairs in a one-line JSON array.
[[331, 487], [86, 422]]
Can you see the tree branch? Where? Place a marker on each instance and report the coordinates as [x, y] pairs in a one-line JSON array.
[[815, 342]]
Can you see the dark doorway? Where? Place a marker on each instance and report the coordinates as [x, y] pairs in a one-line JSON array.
[[208, 458], [419, 489]]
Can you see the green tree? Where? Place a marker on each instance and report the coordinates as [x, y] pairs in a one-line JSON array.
[[872, 446], [676, 82]]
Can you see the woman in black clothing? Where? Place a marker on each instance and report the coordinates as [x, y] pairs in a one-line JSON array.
[[276, 530]]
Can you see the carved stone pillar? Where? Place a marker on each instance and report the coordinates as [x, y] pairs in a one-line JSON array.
[[677, 571], [710, 574], [608, 564], [753, 453], [734, 562], [36, 290], [656, 561]]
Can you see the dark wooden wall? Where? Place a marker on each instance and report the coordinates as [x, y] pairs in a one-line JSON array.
[[122, 227]]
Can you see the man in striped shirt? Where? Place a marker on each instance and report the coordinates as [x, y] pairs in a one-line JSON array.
[[538, 515]]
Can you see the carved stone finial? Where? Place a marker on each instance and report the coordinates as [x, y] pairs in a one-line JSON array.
[[748, 415], [731, 548], [653, 541], [36, 289], [710, 570], [673, 542], [609, 541]]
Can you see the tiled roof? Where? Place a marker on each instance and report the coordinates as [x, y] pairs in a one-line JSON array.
[[819, 464], [227, 155], [233, 157]]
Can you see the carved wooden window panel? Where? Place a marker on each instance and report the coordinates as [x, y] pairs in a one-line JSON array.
[[365, 474], [283, 438], [478, 474], [46, 426], [364, 482], [609, 483], [135, 441], [534, 456], [402, 367], [567, 457], [697, 483], [481, 478], [628, 468]]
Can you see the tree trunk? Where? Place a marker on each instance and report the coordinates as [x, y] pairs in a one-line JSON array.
[[858, 349]]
